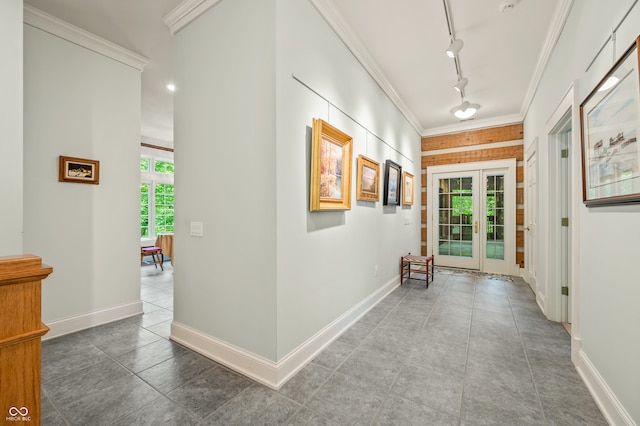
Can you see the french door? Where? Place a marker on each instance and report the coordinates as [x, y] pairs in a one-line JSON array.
[[473, 219]]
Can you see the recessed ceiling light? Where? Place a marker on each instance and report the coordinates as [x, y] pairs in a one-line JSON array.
[[171, 87], [507, 5]]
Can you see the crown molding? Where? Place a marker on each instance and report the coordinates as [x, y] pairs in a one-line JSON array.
[[362, 55], [559, 21], [186, 12], [473, 124], [57, 27]]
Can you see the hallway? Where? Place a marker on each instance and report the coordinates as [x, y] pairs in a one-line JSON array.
[[472, 349]]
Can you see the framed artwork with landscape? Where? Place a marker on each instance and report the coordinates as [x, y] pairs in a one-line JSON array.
[[368, 182], [610, 117], [331, 151], [407, 190], [79, 170], [392, 183]]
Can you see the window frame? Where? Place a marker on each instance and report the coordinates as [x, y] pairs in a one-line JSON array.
[[153, 178]]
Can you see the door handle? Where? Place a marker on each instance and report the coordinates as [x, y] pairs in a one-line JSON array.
[[475, 227]]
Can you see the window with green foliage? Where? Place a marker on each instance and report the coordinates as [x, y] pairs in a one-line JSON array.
[[164, 167], [144, 210], [156, 197], [163, 208]]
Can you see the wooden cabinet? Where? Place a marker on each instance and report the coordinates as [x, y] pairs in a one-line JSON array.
[[21, 330]]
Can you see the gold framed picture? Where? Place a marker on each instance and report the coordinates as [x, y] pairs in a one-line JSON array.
[[79, 170], [368, 180], [407, 190], [330, 168]]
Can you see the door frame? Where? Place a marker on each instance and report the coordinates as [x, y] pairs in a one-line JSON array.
[[509, 165], [531, 235], [565, 115]]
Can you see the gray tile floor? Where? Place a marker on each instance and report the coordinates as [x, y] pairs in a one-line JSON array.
[[470, 350]]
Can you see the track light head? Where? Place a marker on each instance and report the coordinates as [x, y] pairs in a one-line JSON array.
[[461, 84], [454, 48]]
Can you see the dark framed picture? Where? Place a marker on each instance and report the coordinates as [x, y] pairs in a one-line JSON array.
[[392, 183], [609, 125], [79, 170], [368, 181], [330, 168]]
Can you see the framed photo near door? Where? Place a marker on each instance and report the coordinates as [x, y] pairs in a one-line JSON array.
[[78, 170], [392, 183]]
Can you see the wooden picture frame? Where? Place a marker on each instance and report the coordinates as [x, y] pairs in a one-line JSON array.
[[331, 151], [609, 121], [368, 180], [407, 189], [78, 170], [392, 183]]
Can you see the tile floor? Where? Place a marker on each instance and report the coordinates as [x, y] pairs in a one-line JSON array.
[[470, 350]]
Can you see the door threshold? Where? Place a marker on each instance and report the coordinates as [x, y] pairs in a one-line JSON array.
[[567, 327]]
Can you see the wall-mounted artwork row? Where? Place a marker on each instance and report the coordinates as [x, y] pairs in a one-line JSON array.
[[331, 151]]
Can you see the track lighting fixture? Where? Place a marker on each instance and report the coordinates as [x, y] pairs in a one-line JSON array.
[[461, 84], [454, 48], [465, 110]]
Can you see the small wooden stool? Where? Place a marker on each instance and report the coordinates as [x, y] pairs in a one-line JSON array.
[[418, 265], [155, 253]]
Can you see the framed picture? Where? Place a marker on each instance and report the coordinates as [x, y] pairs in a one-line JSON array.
[[330, 168], [407, 189], [368, 182], [79, 170], [609, 125], [392, 187]]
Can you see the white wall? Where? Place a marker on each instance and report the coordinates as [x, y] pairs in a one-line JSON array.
[[326, 260], [81, 104], [608, 283], [11, 41], [268, 274], [224, 115]]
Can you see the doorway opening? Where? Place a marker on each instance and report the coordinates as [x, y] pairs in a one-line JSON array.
[[471, 213]]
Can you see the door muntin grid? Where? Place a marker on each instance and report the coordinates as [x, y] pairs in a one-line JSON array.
[[494, 217], [455, 210]]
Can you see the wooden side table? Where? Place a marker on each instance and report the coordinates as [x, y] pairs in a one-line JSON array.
[[418, 265]]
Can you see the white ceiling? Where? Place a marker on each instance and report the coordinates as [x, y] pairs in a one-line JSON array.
[[400, 42]]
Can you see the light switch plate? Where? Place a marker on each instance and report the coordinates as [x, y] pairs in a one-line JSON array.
[[197, 229]]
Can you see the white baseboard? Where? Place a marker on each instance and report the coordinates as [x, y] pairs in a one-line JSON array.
[[270, 373], [607, 401], [84, 321]]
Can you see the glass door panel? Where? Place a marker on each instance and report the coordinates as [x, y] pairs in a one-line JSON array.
[[457, 228], [494, 205]]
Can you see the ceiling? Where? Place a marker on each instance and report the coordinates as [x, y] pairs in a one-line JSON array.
[[401, 43]]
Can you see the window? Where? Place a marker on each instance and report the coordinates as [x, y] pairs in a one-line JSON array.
[[156, 197]]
